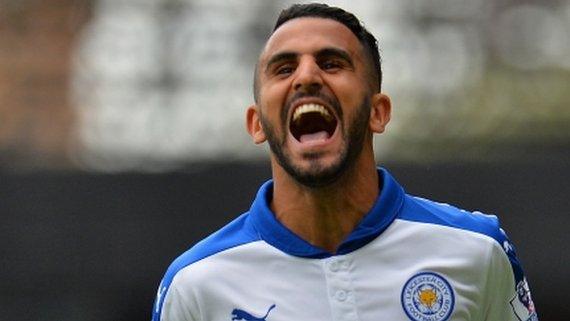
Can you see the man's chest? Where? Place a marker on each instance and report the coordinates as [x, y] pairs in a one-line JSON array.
[[383, 281]]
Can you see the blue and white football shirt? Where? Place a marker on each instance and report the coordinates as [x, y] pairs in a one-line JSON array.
[[408, 259]]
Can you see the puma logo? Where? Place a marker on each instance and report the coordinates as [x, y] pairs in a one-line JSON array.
[[238, 314]]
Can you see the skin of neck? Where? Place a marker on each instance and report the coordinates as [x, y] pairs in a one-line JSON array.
[[325, 216]]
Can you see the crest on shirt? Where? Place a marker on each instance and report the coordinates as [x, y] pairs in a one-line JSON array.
[[522, 304], [427, 296]]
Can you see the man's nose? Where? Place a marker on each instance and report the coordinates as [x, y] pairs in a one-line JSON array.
[[308, 78]]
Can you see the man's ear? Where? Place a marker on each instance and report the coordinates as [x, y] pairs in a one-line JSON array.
[[380, 112], [253, 125]]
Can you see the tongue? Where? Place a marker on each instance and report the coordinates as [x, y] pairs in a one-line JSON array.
[[322, 135]]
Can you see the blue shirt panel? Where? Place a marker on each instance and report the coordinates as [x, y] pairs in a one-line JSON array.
[[380, 216]]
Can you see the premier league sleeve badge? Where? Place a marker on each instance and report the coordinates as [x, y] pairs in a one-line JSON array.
[[522, 304]]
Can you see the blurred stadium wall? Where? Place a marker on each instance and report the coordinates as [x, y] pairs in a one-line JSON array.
[[152, 85], [122, 120]]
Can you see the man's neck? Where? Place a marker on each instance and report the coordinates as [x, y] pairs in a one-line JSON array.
[[325, 216]]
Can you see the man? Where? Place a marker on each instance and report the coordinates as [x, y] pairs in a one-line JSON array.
[[332, 237]]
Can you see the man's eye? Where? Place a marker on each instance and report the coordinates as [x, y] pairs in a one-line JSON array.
[[284, 70], [330, 64]]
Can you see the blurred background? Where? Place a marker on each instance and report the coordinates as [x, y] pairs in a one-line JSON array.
[[122, 138]]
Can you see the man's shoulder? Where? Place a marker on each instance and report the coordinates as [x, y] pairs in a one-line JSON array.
[[236, 233], [421, 210]]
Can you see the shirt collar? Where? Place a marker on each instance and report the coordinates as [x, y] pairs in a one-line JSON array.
[[382, 213]]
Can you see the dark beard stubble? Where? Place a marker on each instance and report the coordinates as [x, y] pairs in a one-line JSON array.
[[317, 176]]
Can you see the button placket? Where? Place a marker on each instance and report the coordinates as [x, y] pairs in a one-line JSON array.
[[341, 295], [339, 285], [334, 266]]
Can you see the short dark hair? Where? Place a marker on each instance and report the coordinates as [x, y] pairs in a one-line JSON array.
[[320, 10]]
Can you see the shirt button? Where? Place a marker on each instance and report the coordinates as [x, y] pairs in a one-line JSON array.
[[341, 295], [334, 267]]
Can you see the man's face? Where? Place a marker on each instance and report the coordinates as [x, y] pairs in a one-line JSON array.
[[314, 98]]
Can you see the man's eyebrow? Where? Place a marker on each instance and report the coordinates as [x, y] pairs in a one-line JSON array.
[[320, 54], [334, 52], [281, 56]]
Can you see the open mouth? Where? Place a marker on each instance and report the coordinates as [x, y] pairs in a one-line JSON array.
[[312, 122]]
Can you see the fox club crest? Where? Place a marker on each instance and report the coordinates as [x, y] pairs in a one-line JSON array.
[[427, 296]]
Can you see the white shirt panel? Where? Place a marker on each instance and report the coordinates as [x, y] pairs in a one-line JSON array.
[[363, 285]]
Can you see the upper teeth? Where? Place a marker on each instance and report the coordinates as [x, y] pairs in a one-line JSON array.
[[311, 108]]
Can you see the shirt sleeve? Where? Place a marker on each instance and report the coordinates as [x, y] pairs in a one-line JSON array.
[[173, 303], [508, 293]]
